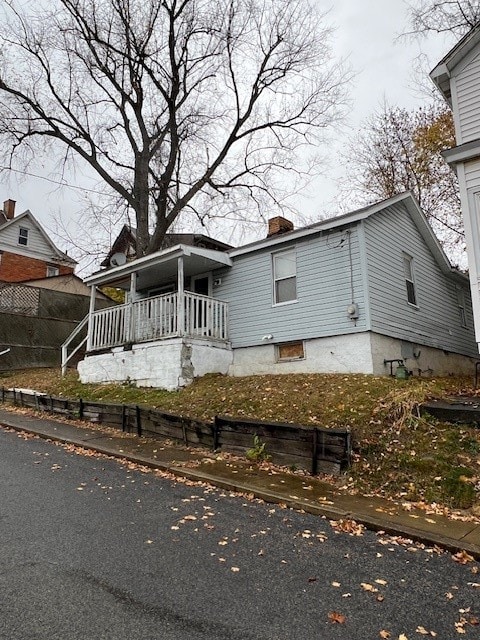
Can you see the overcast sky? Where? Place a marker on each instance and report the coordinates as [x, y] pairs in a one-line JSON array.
[[367, 33]]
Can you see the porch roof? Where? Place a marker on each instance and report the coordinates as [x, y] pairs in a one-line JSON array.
[[161, 266]]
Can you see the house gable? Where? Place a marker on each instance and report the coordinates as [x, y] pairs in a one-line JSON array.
[[126, 243], [26, 251], [426, 310], [24, 236]]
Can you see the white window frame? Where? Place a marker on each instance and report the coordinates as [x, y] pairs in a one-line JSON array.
[[409, 275], [461, 306], [23, 236], [52, 271], [276, 255]]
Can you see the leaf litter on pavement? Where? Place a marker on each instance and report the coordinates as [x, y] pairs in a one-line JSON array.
[[191, 512]]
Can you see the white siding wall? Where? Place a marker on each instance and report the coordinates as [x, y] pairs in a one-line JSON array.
[[472, 173], [37, 245], [467, 93]]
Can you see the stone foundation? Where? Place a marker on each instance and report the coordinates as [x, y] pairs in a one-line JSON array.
[[166, 364]]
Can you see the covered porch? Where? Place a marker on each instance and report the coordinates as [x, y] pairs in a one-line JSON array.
[[170, 328], [168, 294]]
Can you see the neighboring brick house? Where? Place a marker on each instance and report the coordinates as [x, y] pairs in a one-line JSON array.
[[26, 251]]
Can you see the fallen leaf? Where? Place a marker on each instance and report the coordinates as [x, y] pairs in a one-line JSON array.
[[422, 631], [384, 634], [462, 557], [348, 526], [336, 617], [235, 569], [369, 587]]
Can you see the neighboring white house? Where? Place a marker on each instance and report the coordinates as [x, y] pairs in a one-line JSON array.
[[26, 250], [359, 293], [458, 78]]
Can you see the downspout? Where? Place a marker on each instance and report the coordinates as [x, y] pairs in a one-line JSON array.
[[91, 310]]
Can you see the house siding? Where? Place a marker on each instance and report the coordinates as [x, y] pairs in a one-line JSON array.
[[37, 245], [323, 291], [467, 88], [472, 174], [436, 320]]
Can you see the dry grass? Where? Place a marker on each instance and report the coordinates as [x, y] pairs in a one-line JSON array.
[[397, 453]]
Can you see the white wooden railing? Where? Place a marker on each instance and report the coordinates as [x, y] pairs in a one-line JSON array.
[[159, 317], [67, 356]]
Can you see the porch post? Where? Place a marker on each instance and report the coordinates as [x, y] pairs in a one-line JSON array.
[[131, 309], [181, 299], [93, 297]]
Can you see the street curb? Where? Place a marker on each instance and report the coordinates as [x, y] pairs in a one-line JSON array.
[[327, 511]]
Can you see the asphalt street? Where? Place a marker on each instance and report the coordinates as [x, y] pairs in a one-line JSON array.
[[93, 549]]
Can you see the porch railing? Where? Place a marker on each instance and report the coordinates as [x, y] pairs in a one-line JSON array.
[[159, 317]]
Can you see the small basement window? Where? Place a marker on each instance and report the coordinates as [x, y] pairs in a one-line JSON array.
[[23, 236], [52, 271], [290, 351]]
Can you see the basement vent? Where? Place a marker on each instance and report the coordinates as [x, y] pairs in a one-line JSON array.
[[290, 351]]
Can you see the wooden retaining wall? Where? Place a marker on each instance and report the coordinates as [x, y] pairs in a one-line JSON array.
[[313, 449]]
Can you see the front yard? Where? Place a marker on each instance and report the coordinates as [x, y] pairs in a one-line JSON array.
[[397, 453]]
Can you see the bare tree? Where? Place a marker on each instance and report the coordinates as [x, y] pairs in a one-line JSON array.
[[177, 105], [453, 16], [400, 150]]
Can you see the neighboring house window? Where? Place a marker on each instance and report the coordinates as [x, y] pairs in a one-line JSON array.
[[52, 271], [23, 236], [409, 279], [284, 277], [290, 351], [461, 306]]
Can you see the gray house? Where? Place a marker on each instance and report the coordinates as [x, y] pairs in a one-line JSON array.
[[348, 294]]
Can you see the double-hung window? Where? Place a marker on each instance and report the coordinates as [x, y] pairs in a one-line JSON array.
[[409, 279], [23, 236], [284, 277], [461, 306]]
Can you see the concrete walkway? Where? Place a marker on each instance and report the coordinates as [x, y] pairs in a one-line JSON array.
[[295, 491]]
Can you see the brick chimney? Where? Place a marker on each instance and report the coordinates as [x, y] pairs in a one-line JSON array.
[[278, 225], [9, 209]]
